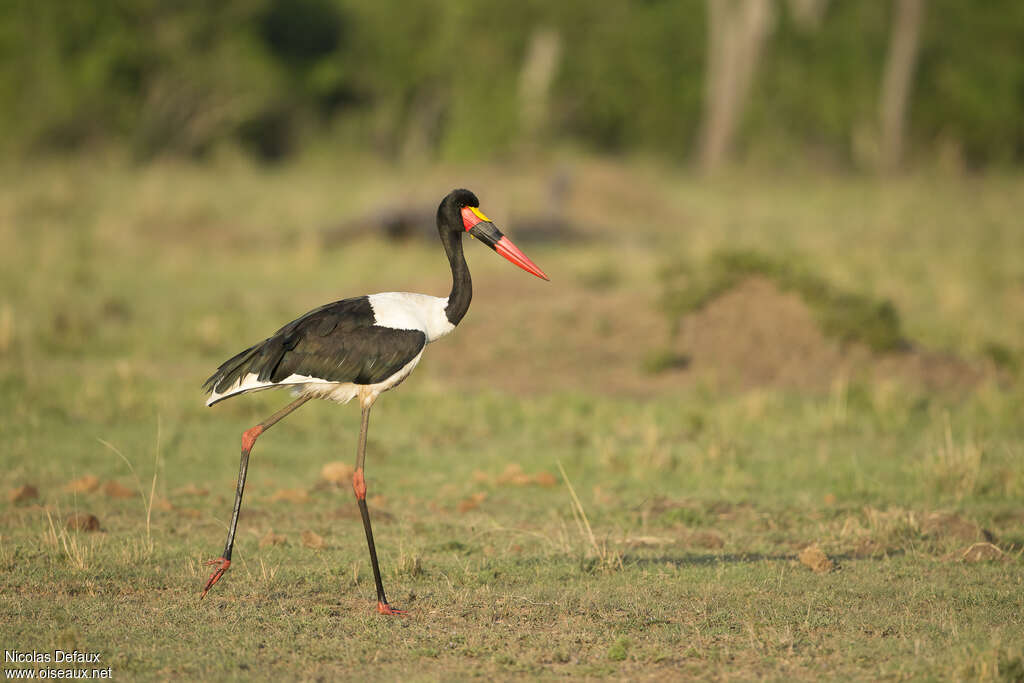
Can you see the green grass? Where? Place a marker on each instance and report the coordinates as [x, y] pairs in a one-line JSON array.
[[121, 289]]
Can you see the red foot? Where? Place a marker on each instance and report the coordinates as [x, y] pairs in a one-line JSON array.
[[385, 608], [222, 566]]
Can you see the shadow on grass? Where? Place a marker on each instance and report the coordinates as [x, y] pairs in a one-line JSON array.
[[693, 560]]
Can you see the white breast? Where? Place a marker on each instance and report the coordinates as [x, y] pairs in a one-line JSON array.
[[405, 311]]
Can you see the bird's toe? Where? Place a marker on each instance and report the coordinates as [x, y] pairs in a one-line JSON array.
[[385, 608], [222, 565]]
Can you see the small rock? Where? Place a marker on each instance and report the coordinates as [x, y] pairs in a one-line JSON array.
[[22, 493], [816, 560], [311, 539], [82, 521]]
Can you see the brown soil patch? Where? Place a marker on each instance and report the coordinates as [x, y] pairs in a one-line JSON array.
[[708, 540], [22, 494], [527, 340], [85, 484], [82, 521], [113, 489], [982, 552], [297, 496], [312, 539], [270, 539], [943, 525], [471, 503], [870, 548], [515, 476], [191, 489], [337, 473]]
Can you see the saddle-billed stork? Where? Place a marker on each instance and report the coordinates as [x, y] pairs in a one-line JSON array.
[[358, 347]]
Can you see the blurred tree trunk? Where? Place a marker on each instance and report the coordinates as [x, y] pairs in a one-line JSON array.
[[897, 80], [808, 14], [737, 33], [424, 128], [539, 68]]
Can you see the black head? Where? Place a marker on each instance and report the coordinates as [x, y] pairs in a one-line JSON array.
[[449, 212], [460, 212]]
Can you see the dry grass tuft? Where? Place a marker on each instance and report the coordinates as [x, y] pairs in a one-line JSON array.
[[956, 465], [114, 490], [608, 559], [77, 553]]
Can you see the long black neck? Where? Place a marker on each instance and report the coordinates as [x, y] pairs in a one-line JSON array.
[[462, 284]]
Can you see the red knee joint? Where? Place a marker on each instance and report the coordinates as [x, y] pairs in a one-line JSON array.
[[249, 437], [359, 484]]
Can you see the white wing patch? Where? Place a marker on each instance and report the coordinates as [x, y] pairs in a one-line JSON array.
[[251, 382], [406, 311]]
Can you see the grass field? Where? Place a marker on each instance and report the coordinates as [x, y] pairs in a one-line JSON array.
[[699, 492]]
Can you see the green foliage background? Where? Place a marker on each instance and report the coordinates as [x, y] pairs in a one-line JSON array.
[[280, 77]]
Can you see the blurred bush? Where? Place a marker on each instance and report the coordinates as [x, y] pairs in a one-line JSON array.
[[442, 79]]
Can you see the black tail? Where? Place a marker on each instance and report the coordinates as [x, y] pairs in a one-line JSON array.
[[231, 370], [260, 359]]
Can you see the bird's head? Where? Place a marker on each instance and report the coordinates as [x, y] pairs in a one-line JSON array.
[[460, 212]]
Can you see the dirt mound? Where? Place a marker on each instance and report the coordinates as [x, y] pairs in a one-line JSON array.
[[752, 335], [755, 335]]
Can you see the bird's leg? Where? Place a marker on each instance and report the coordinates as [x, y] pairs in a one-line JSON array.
[[249, 437], [359, 487]]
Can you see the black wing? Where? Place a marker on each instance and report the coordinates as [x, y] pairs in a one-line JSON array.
[[337, 342]]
